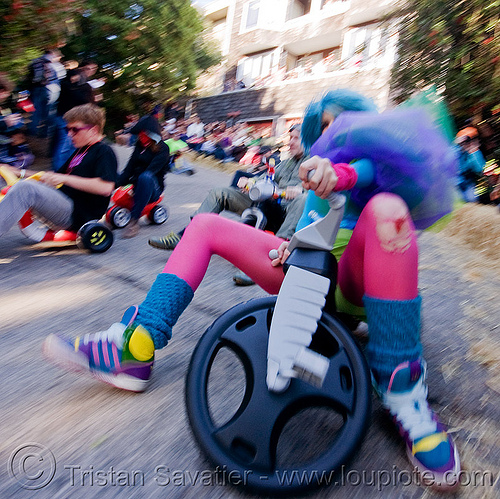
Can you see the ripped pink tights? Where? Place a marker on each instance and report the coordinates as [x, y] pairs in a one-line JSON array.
[[381, 259]]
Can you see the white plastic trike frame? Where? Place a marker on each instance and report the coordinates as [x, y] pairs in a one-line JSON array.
[[299, 307]]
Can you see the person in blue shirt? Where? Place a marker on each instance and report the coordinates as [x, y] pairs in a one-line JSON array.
[[471, 163]]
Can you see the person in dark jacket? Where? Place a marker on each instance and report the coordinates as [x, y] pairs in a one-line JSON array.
[[146, 168], [75, 91]]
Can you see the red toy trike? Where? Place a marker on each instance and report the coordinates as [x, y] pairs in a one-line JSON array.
[[93, 236], [118, 215]]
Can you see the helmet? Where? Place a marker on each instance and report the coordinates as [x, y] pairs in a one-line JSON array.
[[466, 134]]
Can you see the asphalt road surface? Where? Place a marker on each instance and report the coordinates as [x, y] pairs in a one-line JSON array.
[[68, 436]]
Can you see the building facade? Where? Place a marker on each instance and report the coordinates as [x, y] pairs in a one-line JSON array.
[[279, 54]]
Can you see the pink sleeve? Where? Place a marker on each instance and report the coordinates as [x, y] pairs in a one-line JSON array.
[[347, 176]]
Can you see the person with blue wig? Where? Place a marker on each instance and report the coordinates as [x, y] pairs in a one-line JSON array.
[[397, 172]]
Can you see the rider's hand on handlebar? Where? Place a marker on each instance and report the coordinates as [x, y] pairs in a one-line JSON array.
[[324, 179], [242, 182], [283, 254], [53, 179], [292, 191]]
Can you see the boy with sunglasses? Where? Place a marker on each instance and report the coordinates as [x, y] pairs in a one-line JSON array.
[[80, 191]]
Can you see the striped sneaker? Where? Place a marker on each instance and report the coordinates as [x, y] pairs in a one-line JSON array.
[[122, 356], [168, 242], [429, 447]]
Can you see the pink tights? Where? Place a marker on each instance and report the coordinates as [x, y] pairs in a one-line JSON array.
[[381, 259]]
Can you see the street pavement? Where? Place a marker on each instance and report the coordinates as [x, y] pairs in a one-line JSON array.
[[103, 440]]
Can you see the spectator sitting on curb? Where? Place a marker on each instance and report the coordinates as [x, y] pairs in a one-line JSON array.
[[196, 129], [176, 146], [208, 146], [223, 146], [240, 140], [267, 157], [471, 163], [17, 152], [10, 123], [123, 136], [8, 120]]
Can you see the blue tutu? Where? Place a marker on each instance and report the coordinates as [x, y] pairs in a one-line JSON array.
[[410, 155]]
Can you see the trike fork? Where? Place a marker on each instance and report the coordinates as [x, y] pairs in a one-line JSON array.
[[300, 303]]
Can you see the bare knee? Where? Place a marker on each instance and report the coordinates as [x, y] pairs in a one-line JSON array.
[[394, 227]]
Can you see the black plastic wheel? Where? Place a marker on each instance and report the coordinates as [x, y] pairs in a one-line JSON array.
[[158, 215], [118, 217], [275, 443], [95, 237]]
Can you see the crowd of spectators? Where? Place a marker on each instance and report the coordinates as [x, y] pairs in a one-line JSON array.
[[14, 149], [50, 88], [224, 141], [55, 86]]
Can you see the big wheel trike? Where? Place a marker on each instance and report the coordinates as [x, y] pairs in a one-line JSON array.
[[261, 191], [119, 213], [92, 236], [269, 371]]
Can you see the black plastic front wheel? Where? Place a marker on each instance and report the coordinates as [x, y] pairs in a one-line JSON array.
[[275, 443], [95, 237]]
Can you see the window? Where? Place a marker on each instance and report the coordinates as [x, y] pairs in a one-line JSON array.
[[366, 44], [297, 8], [309, 60], [326, 3], [253, 67], [357, 42], [335, 7], [252, 17]]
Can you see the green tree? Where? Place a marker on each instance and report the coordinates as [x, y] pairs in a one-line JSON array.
[[148, 50], [30, 26], [454, 45]]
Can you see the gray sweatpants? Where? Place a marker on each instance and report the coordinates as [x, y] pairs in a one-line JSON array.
[[224, 198], [231, 199], [47, 203]]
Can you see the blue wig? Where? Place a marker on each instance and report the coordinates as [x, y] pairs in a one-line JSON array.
[[334, 102]]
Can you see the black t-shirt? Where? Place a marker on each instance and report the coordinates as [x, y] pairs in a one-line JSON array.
[[98, 161], [72, 95]]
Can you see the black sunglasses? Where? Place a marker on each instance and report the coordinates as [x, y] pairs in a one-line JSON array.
[[74, 129]]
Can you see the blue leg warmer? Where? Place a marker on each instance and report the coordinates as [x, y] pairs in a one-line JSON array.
[[166, 300], [394, 335]]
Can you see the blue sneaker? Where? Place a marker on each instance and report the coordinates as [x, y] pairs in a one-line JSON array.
[[122, 356], [429, 447]]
